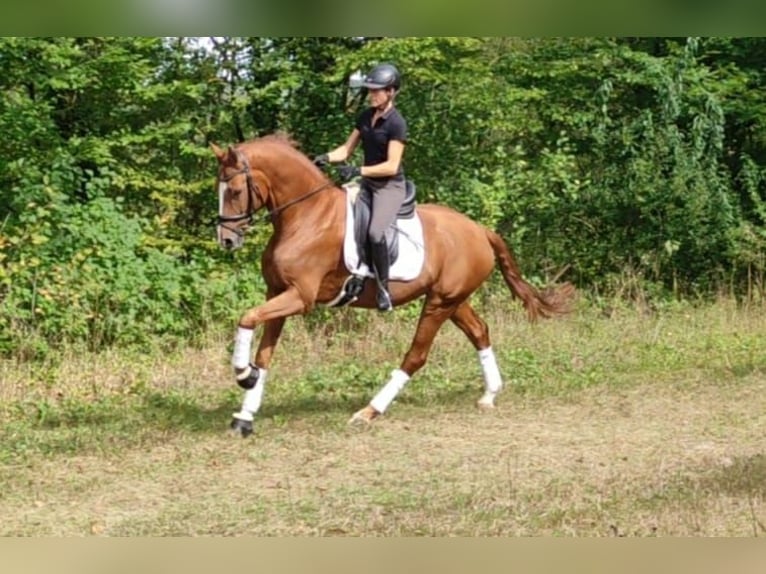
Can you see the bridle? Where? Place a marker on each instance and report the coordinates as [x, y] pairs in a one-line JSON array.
[[253, 189]]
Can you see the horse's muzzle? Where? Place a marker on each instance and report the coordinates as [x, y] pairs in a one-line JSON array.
[[232, 243], [230, 238]]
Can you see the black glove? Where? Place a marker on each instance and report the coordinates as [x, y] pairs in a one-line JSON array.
[[322, 160], [348, 172]]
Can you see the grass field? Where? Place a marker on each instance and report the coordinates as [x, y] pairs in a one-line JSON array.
[[628, 423]]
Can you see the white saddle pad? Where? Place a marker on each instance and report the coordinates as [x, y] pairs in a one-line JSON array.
[[408, 264]]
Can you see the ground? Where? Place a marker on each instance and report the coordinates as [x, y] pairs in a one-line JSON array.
[[676, 451]]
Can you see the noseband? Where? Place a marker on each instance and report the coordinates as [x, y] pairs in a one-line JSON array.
[[252, 189]]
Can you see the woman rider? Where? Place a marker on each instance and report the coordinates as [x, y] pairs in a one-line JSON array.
[[383, 133]]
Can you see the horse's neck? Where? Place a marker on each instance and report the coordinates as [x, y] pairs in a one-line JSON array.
[[296, 200], [312, 208]]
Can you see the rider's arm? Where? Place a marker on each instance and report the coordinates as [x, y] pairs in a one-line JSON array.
[[343, 152], [391, 165]]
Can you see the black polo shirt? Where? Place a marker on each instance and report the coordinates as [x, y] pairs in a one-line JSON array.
[[390, 126]]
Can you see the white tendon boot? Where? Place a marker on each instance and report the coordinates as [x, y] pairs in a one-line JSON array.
[[243, 344], [493, 382], [253, 397], [249, 376], [383, 399], [388, 393]]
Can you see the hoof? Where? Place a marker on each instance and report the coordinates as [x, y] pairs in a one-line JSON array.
[[240, 427], [486, 402], [364, 416]]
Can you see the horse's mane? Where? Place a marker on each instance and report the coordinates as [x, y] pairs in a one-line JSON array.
[[281, 137], [281, 142]]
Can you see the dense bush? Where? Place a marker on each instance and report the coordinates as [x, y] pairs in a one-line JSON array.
[[85, 273]]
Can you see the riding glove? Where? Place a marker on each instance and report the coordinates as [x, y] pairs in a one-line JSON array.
[[349, 172]]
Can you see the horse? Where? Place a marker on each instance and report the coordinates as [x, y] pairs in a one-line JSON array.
[[303, 266]]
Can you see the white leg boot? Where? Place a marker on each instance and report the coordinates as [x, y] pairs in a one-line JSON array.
[[493, 382]]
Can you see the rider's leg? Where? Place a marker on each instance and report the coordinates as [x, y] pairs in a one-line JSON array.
[[386, 202]]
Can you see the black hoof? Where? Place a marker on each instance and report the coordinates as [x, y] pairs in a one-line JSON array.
[[244, 428]]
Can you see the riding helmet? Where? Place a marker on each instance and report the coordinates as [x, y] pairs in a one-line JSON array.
[[383, 76]]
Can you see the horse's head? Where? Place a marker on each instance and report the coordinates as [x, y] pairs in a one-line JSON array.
[[267, 172], [239, 196]]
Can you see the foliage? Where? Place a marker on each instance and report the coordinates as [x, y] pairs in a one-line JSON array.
[[95, 280]]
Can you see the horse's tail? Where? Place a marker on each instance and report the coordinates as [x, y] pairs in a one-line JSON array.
[[548, 303]]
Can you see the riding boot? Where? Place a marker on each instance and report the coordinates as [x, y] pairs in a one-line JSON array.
[[379, 252]]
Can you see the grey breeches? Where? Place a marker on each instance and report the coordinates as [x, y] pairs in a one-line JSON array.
[[386, 201]]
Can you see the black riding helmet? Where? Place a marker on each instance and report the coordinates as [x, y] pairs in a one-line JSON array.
[[383, 76]]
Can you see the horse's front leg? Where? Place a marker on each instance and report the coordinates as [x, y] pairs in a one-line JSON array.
[[252, 376]]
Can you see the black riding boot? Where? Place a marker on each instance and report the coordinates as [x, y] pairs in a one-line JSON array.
[[379, 252]]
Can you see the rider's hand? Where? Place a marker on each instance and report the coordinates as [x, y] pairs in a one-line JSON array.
[[349, 172]]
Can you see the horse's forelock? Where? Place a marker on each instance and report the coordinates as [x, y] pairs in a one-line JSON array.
[[231, 156]]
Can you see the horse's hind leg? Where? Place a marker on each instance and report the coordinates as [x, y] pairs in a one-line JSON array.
[[432, 317], [477, 332]]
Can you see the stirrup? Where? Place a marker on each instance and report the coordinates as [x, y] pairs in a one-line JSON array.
[[383, 300]]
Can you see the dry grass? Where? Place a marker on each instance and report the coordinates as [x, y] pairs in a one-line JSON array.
[[621, 426]]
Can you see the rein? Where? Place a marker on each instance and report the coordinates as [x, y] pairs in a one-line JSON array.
[[252, 189], [281, 208]]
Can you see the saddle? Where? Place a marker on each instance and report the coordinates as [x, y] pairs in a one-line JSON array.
[[406, 257]]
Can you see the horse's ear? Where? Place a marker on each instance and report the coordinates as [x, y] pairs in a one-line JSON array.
[[219, 153]]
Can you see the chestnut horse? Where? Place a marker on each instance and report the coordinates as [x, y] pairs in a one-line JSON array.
[[303, 266]]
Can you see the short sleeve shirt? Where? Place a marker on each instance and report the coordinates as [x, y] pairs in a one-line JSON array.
[[390, 126]]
